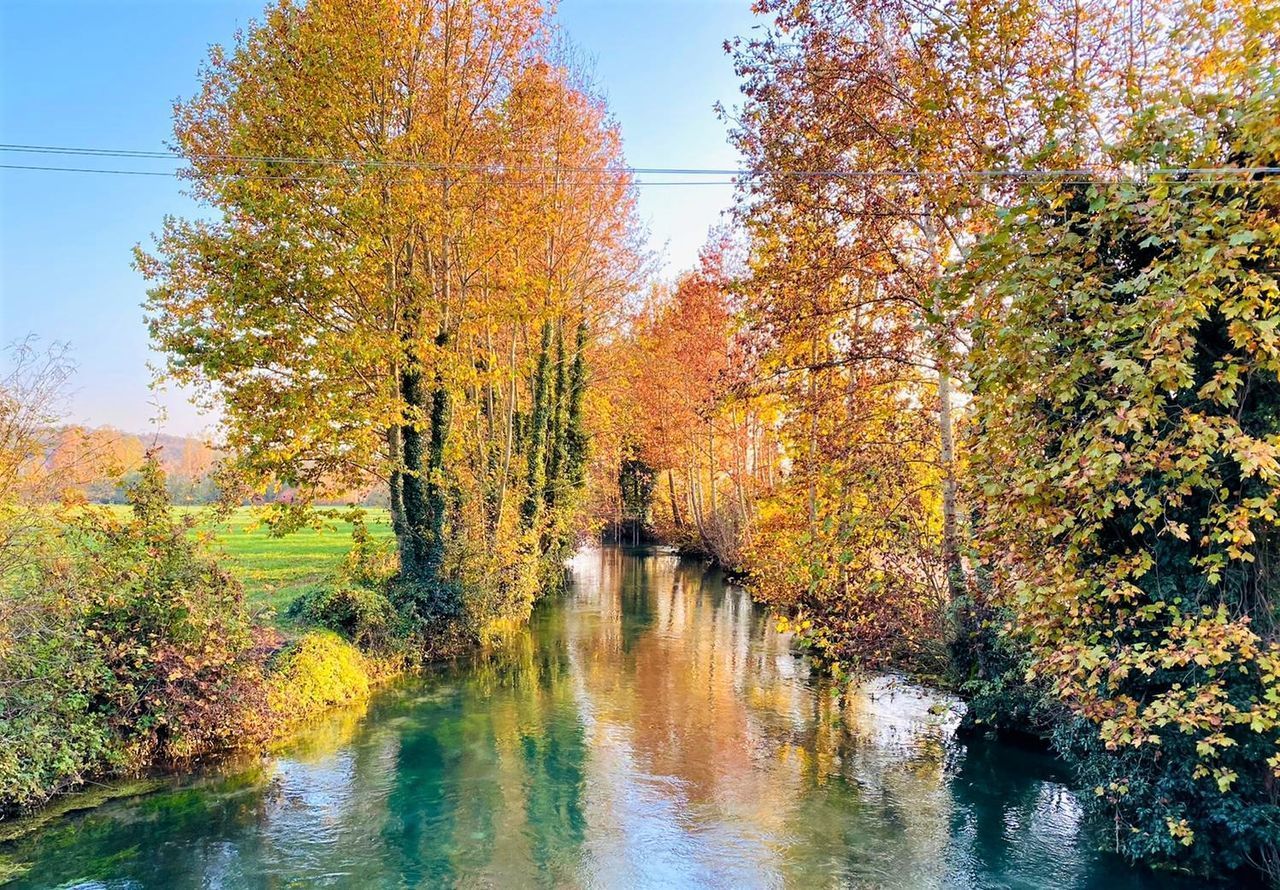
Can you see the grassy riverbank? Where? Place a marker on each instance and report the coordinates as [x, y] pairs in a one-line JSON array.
[[148, 637]]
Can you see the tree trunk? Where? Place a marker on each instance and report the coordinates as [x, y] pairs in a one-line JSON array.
[[675, 508], [413, 511], [538, 428], [421, 498], [950, 543], [711, 463], [946, 437]]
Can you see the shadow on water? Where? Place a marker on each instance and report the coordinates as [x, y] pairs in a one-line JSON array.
[[651, 728]]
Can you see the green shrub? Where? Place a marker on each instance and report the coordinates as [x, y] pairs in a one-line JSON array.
[[1126, 379], [989, 669], [172, 628], [123, 643], [51, 735], [355, 602], [363, 615], [370, 562], [1157, 808]]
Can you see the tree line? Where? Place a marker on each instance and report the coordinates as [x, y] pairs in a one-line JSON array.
[[423, 227], [1012, 427], [416, 233]]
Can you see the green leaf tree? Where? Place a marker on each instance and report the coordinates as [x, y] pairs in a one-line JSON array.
[[1126, 457]]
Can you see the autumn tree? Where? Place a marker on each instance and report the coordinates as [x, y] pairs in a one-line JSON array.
[[31, 394], [882, 140], [856, 120], [1125, 385], [418, 213], [692, 427], [94, 461]]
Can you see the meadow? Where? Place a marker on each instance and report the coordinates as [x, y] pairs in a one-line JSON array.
[[276, 570]]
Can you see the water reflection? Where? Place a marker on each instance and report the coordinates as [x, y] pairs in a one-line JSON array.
[[651, 729]]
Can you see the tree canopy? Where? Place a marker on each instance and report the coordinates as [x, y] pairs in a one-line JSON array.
[[419, 217]]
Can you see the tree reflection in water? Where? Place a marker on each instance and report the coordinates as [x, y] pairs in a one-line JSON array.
[[651, 727]]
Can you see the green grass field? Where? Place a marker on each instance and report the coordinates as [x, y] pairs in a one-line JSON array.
[[274, 571]]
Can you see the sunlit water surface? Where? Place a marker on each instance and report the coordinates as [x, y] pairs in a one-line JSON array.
[[652, 728]]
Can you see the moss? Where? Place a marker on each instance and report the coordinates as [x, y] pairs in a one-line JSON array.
[[73, 803], [317, 672], [361, 614], [11, 869]]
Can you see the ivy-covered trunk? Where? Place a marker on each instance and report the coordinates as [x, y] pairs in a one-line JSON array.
[[538, 428], [417, 490]]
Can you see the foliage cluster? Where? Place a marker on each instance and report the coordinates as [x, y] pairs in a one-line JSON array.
[[692, 469], [401, 280], [101, 464], [355, 602], [1125, 370], [1023, 423], [317, 672], [126, 644]]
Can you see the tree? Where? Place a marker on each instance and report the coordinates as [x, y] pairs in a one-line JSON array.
[[1125, 377], [31, 392], [855, 118], [414, 203], [690, 426]]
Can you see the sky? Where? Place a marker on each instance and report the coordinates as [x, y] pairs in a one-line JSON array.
[[105, 73]]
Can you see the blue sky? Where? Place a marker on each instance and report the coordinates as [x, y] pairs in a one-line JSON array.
[[93, 73]]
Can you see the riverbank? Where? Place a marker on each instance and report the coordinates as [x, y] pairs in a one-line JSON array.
[[131, 644], [651, 727]]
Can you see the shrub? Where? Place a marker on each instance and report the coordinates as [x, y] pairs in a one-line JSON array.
[[1156, 808], [355, 602], [370, 562], [989, 668], [171, 626], [51, 735], [122, 644], [313, 674], [364, 616], [1125, 456]]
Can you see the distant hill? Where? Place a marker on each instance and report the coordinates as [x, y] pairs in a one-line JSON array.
[[101, 461]]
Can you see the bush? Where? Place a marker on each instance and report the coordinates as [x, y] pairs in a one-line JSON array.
[[1125, 462], [122, 644], [51, 736], [172, 628], [355, 603], [364, 616], [319, 671], [1156, 806], [369, 563]]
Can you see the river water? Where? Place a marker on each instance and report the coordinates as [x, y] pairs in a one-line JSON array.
[[650, 729]]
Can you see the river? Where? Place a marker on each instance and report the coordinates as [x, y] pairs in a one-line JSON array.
[[651, 728]]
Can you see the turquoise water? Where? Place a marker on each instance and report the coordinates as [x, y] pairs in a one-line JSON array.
[[651, 729]]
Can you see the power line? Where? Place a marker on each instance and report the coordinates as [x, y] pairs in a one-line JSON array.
[[369, 163], [357, 164], [332, 180], [173, 174]]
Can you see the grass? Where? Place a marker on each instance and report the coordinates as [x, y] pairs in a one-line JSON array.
[[275, 571]]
